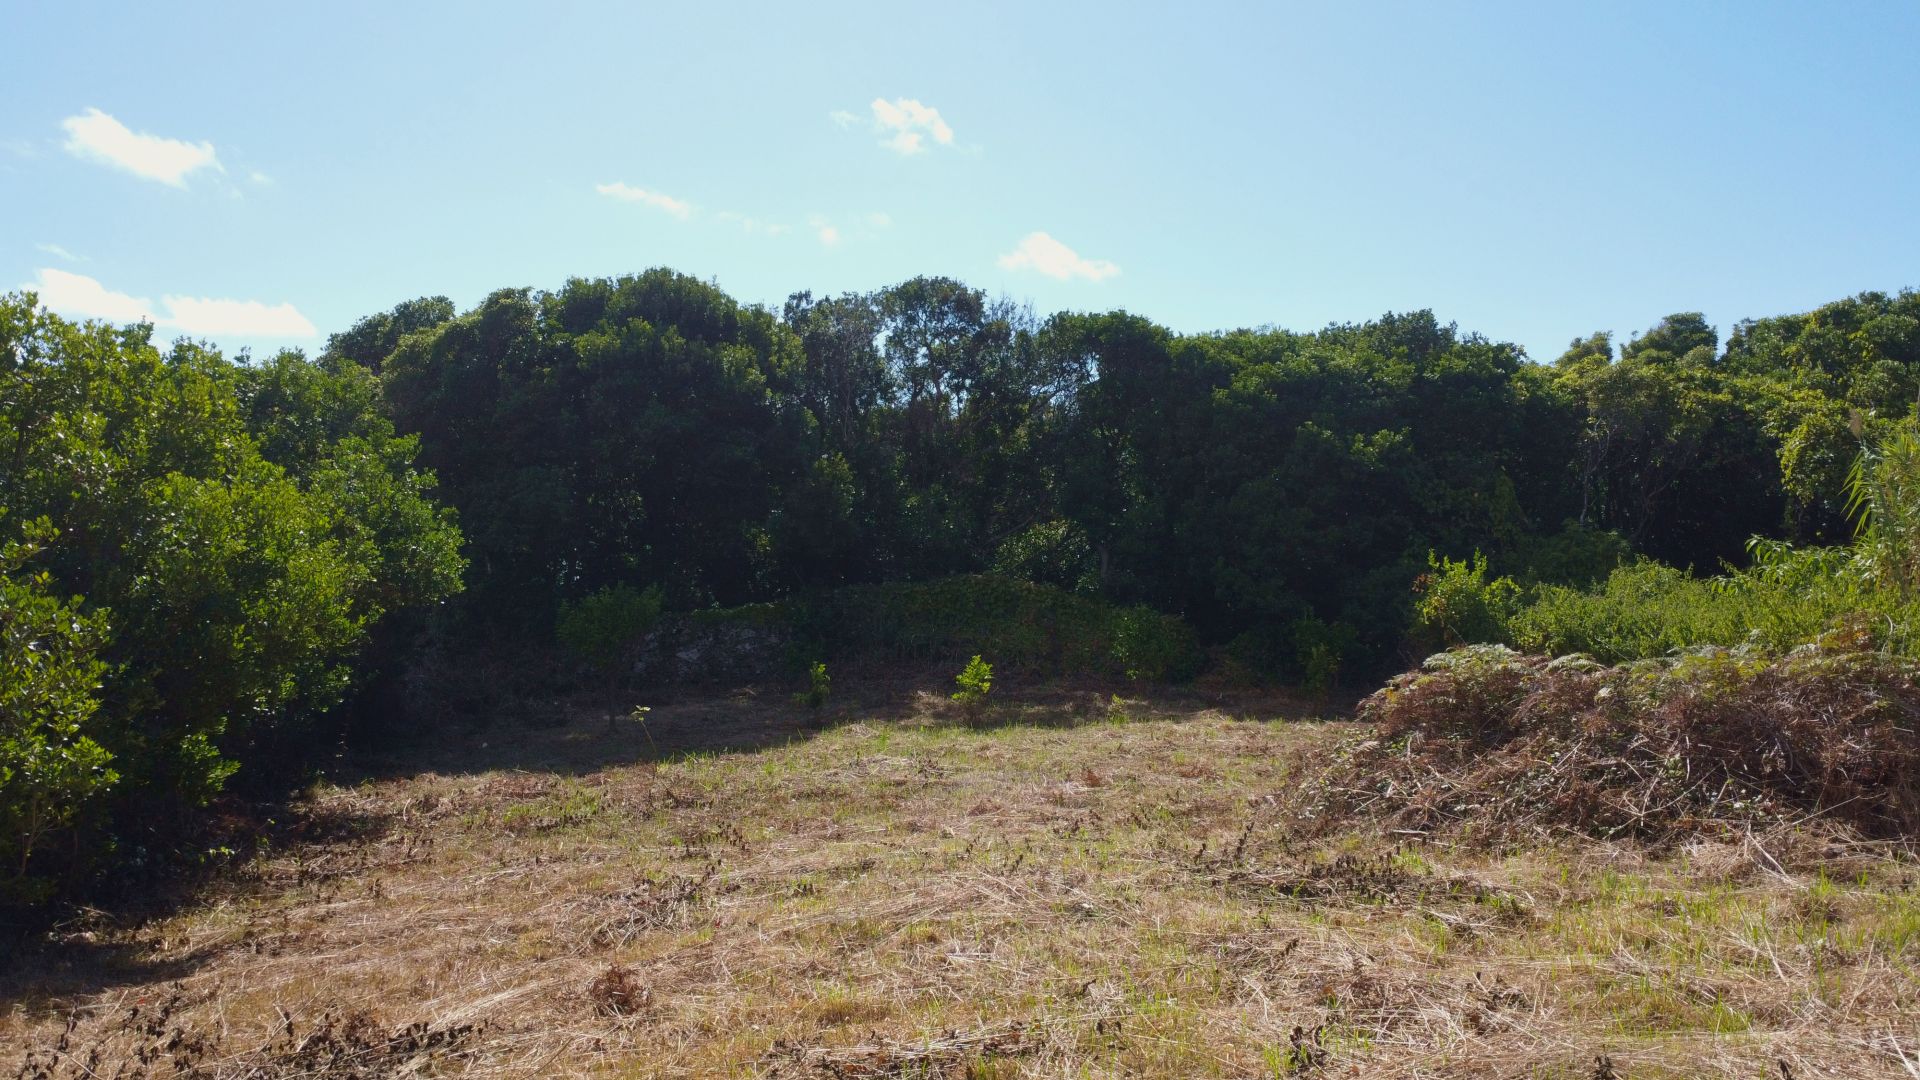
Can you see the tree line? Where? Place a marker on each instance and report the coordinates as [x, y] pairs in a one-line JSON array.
[[210, 562]]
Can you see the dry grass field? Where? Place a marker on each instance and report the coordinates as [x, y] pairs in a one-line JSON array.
[[1069, 886]]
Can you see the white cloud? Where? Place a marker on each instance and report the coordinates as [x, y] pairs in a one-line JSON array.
[[59, 252], [679, 208], [1041, 252], [239, 318], [79, 295], [907, 124], [752, 226], [842, 118], [98, 137], [259, 177], [83, 297], [825, 230], [880, 219]]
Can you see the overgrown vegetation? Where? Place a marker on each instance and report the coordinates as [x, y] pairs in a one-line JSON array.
[[217, 566], [1785, 597]]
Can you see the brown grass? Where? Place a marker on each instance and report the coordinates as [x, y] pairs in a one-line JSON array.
[[1072, 886]]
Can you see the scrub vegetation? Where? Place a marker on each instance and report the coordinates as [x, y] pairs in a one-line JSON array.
[[620, 680]]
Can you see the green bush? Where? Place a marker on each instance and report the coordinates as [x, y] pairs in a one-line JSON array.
[[1151, 647], [1788, 597], [1028, 627], [1051, 553], [1033, 627], [598, 628], [1576, 555], [819, 687], [52, 773], [1458, 603], [246, 529], [1319, 649], [975, 682]]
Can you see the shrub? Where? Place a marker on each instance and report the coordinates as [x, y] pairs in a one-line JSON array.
[[52, 774], [975, 682], [819, 686], [1151, 647], [1026, 627], [599, 628], [1319, 647], [1051, 553], [1458, 604], [1031, 627], [249, 530], [1576, 555], [1883, 494], [1788, 597]]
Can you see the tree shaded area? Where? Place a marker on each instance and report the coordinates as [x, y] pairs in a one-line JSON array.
[[1277, 490]]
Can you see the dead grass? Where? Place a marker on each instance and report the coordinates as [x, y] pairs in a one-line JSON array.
[[1486, 740], [1073, 886]]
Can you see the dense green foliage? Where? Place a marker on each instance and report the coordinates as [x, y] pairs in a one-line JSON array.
[[209, 561], [234, 536], [1277, 491], [52, 774], [1786, 597]]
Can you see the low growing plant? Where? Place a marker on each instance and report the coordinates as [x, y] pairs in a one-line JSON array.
[[975, 682], [819, 687]]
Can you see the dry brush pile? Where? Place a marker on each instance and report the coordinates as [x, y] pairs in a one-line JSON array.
[[1485, 741]]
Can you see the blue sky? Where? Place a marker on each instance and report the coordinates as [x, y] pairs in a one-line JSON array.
[[261, 174]]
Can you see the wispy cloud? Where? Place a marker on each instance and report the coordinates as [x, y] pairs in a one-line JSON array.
[[58, 252], [625, 192], [83, 297], [880, 219], [96, 136], [1038, 251], [824, 230], [904, 124], [751, 225]]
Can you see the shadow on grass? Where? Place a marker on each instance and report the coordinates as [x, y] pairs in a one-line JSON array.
[[52, 965], [572, 737], [104, 949]]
